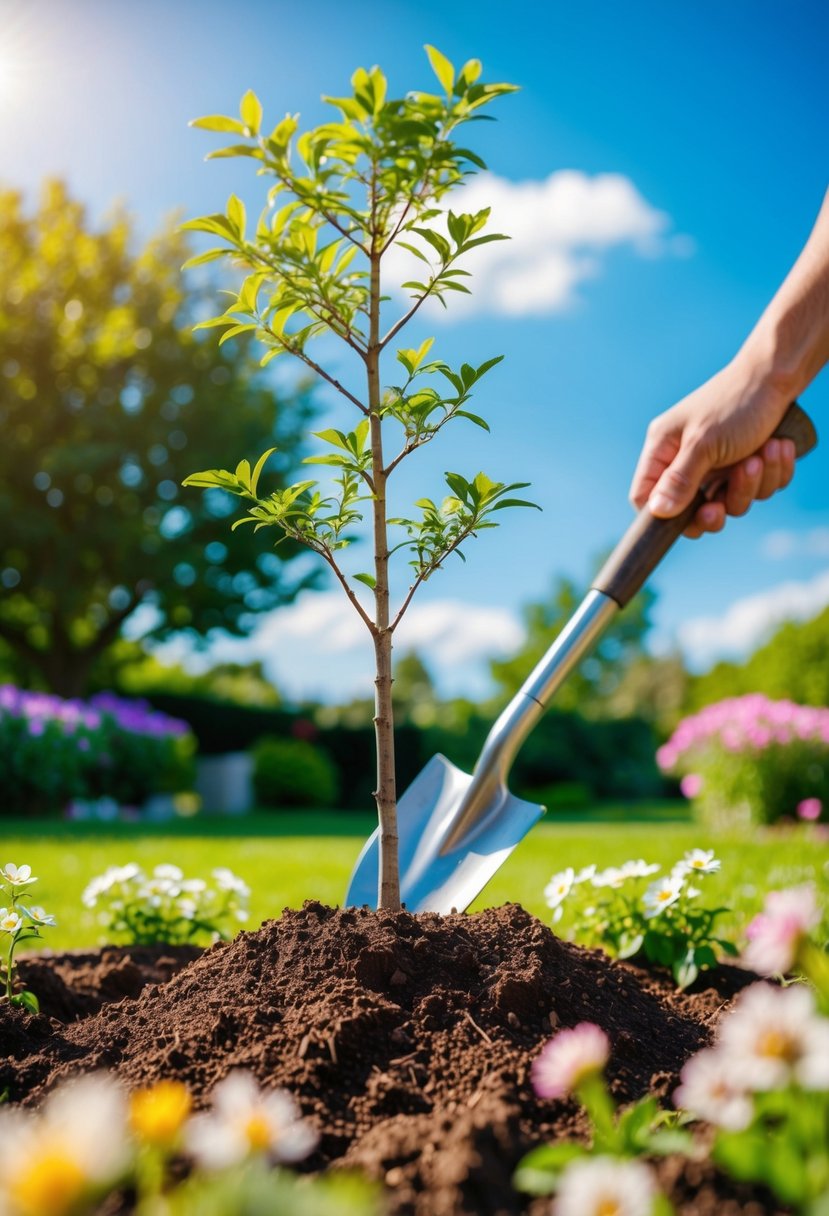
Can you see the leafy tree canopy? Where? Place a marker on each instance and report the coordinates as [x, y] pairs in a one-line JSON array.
[[791, 665], [106, 402]]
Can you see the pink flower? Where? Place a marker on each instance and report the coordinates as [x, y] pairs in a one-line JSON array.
[[570, 1059], [775, 935], [809, 808], [690, 785]]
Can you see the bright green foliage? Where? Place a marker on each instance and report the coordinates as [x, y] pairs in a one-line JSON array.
[[790, 665], [105, 400], [290, 773], [345, 193]]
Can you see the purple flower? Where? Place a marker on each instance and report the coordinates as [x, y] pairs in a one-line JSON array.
[[809, 809]]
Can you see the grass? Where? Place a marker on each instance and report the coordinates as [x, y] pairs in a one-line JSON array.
[[287, 858]]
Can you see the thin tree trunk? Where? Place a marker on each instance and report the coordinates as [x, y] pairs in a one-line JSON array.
[[388, 895]]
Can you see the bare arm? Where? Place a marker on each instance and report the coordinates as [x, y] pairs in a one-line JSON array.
[[726, 422]]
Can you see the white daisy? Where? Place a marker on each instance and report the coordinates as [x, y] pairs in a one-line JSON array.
[[662, 893], [559, 887], [17, 876], [774, 1037], [708, 1091], [246, 1121], [10, 921], [605, 1186]]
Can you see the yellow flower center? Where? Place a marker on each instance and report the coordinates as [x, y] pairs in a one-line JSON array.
[[258, 1133], [158, 1114], [607, 1206], [49, 1183], [778, 1045]]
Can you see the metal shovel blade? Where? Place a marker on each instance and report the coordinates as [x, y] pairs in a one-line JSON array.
[[441, 869]]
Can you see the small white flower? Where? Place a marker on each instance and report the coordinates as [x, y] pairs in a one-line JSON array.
[[708, 1091], [692, 892], [702, 861], [585, 874], [639, 868], [228, 881], [18, 876], [605, 1186], [611, 877], [187, 908], [246, 1121], [10, 921], [776, 934], [661, 894], [569, 1058], [774, 1037], [38, 916], [172, 873], [559, 887], [194, 886]]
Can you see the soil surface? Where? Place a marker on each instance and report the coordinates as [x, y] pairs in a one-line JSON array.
[[407, 1040]]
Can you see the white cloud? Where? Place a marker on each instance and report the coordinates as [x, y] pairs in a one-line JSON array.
[[750, 621], [786, 543], [318, 647], [561, 229]]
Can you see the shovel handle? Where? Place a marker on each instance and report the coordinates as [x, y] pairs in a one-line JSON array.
[[648, 539]]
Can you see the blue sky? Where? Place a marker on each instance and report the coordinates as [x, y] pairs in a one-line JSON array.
[[711, 118]]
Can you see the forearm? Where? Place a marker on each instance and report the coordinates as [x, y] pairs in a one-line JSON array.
[[790, 343]]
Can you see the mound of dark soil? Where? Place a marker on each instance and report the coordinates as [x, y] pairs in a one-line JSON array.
[[406, 1039], [77, 983]]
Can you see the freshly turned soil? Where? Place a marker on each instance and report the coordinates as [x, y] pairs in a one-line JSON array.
[[407, 1041], [77, 983]]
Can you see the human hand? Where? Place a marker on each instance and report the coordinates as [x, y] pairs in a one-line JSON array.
[[724, 426]]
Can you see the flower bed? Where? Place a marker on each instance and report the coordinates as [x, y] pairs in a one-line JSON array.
[[56, 753]]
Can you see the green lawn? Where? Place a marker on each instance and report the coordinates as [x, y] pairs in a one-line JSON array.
[[289, 858]]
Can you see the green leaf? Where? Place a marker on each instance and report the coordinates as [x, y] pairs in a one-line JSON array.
[[218, 122], [257, 471], [443, 69], [368, 579], [234, 150], [200, 258], [26, 1000], [236, 215], [472, 418], [413, 249], [251, 112], [539, 1171]]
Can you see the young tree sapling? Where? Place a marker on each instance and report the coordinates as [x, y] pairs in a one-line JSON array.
[[345, 195]]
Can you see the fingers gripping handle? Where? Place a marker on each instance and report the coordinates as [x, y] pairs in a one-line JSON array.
[[648, 539]]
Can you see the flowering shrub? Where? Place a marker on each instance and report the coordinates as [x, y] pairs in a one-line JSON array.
[[750, 759], [91, 1138], [165, 907], [661, 921], [20, 921], [54, 751]]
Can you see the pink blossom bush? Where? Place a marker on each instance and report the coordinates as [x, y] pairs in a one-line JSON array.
[[752, 760]]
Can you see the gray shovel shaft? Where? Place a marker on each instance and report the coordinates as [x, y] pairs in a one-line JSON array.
[[634, 559]]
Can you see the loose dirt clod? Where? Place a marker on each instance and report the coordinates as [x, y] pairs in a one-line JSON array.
[[407, 1040]]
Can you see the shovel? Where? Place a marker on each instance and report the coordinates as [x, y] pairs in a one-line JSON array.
[[456, 830]]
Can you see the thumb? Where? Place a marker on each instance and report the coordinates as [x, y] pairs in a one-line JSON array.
[[680, 482]]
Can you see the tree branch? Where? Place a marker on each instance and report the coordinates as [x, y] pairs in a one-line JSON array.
[[300, 354], [328, 556], [424, 574]]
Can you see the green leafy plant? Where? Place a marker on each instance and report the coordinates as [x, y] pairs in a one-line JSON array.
[[20, 921], [345, 195], [661, 922], [165, 907]]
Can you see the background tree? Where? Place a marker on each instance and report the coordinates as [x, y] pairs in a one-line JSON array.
[[106, 402], [793, 664], [592, 686]]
